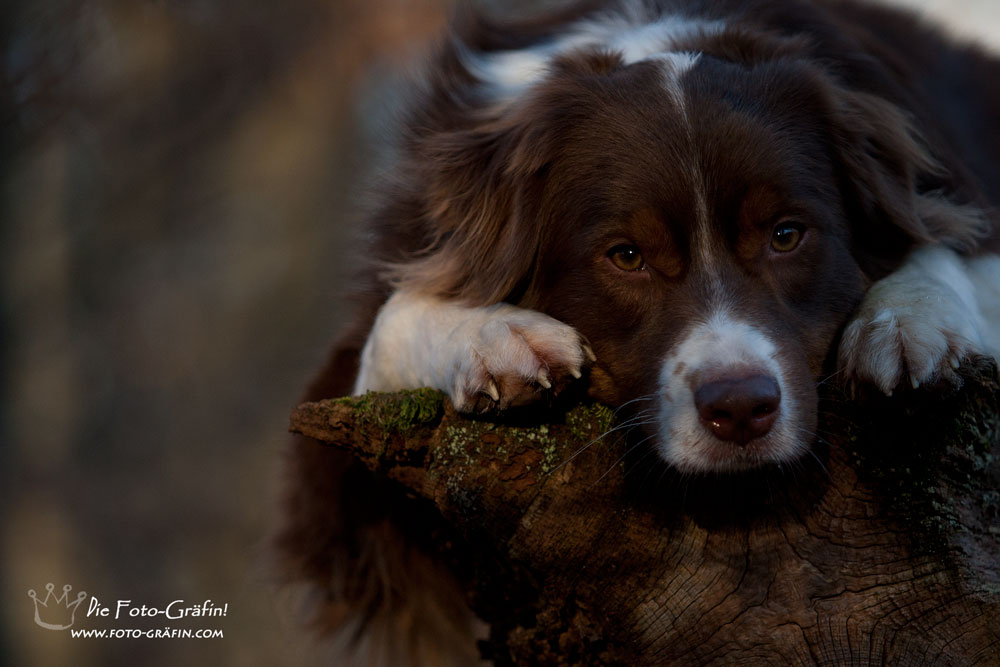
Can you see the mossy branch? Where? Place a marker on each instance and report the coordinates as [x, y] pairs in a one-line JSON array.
[[588, 551]]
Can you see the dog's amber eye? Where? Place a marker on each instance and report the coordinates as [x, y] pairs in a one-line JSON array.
[[627, 257], [786, 236]]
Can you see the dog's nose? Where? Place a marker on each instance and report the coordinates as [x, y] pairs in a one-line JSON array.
[[739, 410]]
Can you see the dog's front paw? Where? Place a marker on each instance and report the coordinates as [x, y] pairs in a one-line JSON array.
[[913, 332], [515, 357]]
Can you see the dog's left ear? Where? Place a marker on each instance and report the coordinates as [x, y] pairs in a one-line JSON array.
[[897, 193]]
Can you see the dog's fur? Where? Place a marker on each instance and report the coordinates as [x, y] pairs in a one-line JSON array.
[[604, 196]]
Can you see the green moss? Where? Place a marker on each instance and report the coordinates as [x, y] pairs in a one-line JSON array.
[[589, 420], [398, 412], [463, 446], [932, 461]]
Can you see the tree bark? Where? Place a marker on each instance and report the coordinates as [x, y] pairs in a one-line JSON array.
[[880, 548]]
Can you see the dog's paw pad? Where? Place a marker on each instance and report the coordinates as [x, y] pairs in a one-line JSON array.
[[519, 357]]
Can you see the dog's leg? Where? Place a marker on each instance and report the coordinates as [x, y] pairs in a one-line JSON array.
[[916, 325], [484, 358]]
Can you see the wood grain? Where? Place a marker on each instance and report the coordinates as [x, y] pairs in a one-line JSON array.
[[881, 548]]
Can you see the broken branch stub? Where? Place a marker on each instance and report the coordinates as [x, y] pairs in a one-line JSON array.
[[883, 547]]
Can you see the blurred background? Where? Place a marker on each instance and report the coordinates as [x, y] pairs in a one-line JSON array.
[[178, 178]]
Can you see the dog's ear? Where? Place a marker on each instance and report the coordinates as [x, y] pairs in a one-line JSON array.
[[897, 193], [479, 187]]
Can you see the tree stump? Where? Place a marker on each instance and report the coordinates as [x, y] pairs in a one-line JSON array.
[[882, 548]]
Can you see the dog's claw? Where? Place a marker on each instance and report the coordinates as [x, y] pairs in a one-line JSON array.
[[543, 379], [913, 328], [493, 391], [508, 357], [589, 351]]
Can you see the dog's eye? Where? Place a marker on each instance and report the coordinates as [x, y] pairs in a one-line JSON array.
[[627, 258], [786, 236]]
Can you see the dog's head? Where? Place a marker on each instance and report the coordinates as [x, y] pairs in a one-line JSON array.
[[705, 204]]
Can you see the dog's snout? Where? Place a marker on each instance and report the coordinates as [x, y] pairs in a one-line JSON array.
[[739, 410]]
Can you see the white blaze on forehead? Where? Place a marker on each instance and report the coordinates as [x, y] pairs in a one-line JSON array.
[[720, 344], [676, 63], [659, 37], [636, 37], [674, 66]]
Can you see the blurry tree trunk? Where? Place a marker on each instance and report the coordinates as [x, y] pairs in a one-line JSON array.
[[881, 549]]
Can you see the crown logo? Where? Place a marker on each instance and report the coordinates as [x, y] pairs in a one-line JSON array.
[[59, 612]]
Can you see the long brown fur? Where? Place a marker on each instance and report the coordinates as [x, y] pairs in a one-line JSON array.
[[466, 216]]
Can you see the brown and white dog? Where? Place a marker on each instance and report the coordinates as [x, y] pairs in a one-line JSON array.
[[700, 208]]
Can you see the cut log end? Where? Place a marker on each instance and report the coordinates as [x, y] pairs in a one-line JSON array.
[[883, 543]]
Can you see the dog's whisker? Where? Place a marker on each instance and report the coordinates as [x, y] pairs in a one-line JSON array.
[[635, 422], [631, 448], [829, 377], [647, 397], [819, 461]]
